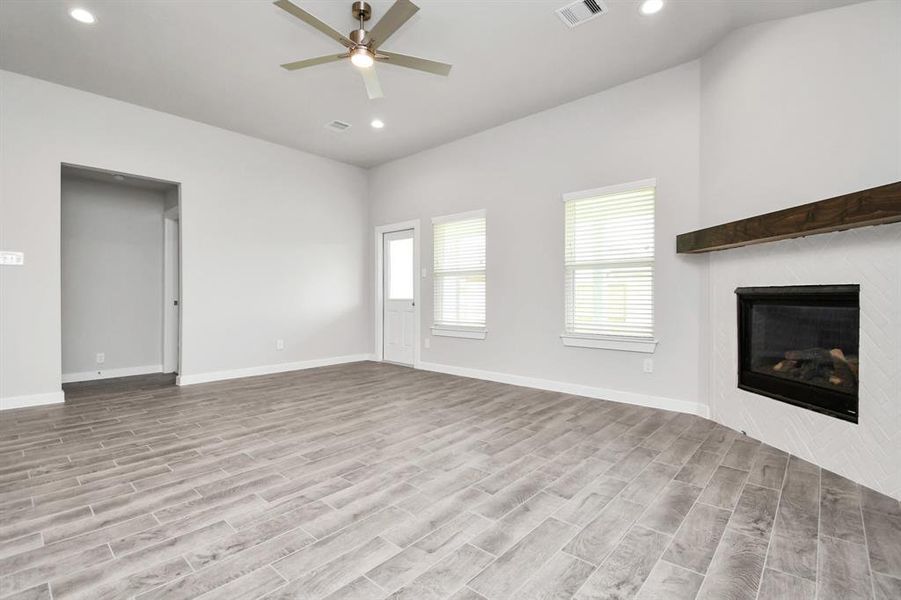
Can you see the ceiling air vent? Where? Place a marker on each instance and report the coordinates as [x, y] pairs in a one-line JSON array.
[[581, 11], [337, 125]]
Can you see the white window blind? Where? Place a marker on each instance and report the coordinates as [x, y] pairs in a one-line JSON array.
[[459, 271], [609, 259]]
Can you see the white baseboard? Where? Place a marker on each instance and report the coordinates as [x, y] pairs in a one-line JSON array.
[[684, 406], [32, 400], [111, 373], [269, 369]]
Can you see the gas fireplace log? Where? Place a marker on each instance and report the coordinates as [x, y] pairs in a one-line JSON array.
[[819, 364], [854, 365], [812, 363], [814, 354], [841, 368], [785, 365]]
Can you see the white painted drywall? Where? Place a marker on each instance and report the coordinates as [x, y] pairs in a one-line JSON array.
[[518, 172], [112, 277], [274, 241], [794, 111]]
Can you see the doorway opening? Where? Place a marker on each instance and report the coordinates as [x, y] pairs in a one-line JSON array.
[[397, 293], [121, 277]]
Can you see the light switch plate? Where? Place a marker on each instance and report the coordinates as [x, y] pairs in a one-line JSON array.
[[10, 258]]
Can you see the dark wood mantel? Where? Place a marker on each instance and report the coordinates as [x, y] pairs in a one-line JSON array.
[[875, 206]]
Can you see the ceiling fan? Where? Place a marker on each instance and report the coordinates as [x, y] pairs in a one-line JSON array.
[[362, 45]]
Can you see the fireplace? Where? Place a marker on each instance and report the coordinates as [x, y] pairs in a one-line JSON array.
[[799, 345]]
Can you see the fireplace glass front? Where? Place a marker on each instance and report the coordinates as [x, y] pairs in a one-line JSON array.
[[799, 345]]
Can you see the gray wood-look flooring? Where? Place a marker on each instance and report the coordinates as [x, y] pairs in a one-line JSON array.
[[368, 481]]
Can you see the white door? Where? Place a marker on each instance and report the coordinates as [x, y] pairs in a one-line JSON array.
[[399, 321], [170, 296]]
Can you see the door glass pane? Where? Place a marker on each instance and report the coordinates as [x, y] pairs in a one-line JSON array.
[[400, 281]]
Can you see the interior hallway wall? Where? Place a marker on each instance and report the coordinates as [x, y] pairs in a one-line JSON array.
[[112, 278]]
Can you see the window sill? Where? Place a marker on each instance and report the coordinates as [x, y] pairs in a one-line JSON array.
[[609, 343], [472, 334]]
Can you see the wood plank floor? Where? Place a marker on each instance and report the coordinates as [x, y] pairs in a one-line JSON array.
[[369, 481]]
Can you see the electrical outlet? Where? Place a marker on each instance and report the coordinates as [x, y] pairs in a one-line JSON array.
[[101, 357], [279, 344], [648, 365], [427, 342]]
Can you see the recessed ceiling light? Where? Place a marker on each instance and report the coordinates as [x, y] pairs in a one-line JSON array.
[[81, 15], [650, 7], [377, 123], [118, 178]]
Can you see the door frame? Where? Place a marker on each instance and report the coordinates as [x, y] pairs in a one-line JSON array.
[[112, 172], [380, 231], [171, 218]]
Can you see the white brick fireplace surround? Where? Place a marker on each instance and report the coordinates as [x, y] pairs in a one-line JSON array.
[[870, 451], [772, 139]]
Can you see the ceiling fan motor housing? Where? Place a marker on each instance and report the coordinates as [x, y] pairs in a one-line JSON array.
[[357, 36]]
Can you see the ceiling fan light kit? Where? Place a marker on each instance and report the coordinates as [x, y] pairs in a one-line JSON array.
[[362, 57], [362, 45]]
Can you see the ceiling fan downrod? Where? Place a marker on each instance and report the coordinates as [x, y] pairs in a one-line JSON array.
[[362, 12]]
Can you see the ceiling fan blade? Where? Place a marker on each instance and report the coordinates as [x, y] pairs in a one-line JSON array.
[[306, 17], [412, 62], [399, 13], [312, 62], [371, 80]]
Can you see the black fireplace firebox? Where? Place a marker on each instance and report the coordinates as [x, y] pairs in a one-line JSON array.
[[800, 345]]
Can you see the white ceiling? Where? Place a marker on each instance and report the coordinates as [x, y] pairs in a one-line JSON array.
[[217, 61]]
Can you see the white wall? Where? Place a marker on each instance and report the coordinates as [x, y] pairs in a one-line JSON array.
[[112, 277], [794, 111], [518, 172], [273, 240]]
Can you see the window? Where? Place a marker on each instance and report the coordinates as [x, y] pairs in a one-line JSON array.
[[609, 261], [459, 275], [400, 271]]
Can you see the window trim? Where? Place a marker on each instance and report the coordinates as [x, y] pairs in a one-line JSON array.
[[472, 333], [461, 331], [612, 342], [609, 342], [612, 189], [463, 216]]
